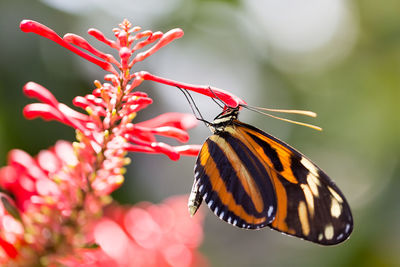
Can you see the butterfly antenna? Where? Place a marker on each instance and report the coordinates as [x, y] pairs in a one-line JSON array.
[[215, 101], [193, 106], [290, 111]]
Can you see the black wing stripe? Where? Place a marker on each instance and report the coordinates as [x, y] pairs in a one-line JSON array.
[[230, 179], [256, 168], [220, 201], [215, 204], [269, 152]]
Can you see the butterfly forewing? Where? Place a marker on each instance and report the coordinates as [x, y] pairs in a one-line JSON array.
[[309, 204]]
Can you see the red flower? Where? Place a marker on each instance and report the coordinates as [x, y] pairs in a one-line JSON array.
[[144, 235], [52, 206]]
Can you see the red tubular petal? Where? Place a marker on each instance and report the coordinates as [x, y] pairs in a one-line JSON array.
[[82, 43], [40, 29], [139, 101], [48, 161], [8, 248], [100, 36], [65, 152], [44, 111], [229, 99], [172, 132], [142, 34], [37, 91], [188, 150], [153, 37], [23, 160], [166, 39], [137, 148], [182, 121], [80, 102], [156, 146], [138, 93], [167, 131], [47, 112], [166, 149], [69, 112]]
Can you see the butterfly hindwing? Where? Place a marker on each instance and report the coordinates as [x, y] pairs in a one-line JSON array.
[[234, 183], [309, 204]]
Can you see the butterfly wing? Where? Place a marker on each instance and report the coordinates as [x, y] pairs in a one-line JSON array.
[[309, 204], [233, 182]]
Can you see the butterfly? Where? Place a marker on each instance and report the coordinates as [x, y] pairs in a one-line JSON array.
[[252, 180]]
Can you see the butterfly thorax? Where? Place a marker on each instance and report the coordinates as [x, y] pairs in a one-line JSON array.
[[224, 119]]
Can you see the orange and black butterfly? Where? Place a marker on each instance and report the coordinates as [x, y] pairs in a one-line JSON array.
[[251, 180]]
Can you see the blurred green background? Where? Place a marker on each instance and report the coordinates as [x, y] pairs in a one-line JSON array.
[[338, 58]]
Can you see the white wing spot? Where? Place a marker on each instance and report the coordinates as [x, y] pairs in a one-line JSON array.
[[248, 226], [210, 203], [329, 231], [336, 208], [196, 174], [234, 222], [347, 229], [320, 236], [310, 166], [312, 182], [309, 198], [270, 210], [229, 220], [303, 216], [339, 236], [205, 197], [216, 210], [335, 195], [221, 216], [201, 188], [243, 225]]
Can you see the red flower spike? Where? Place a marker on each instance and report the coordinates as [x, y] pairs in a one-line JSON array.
[[63, 191], [35, 27]]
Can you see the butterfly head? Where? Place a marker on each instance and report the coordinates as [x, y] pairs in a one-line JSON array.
[[226, 117]]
